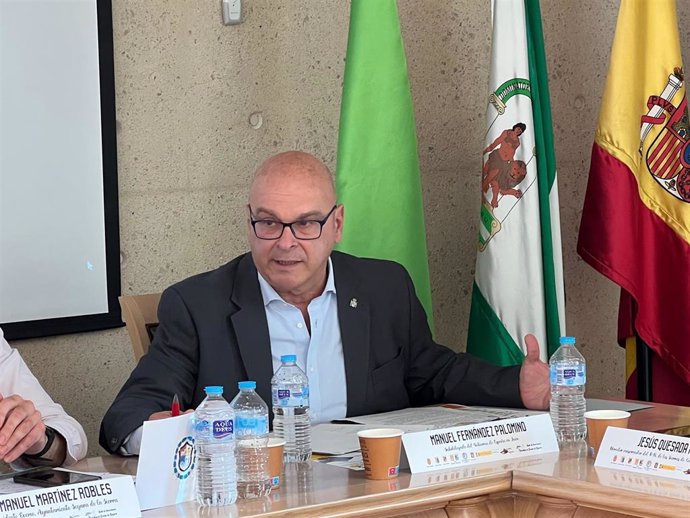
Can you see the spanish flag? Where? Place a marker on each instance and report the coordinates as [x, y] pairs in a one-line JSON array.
[[635, 225]]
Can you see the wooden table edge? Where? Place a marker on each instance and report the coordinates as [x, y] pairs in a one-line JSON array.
[[598, 496], [405, 500]]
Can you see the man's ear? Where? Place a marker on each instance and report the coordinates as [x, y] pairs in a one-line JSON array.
[[339, 218]]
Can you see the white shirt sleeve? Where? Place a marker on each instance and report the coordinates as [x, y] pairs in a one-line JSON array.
[[132, 443], [16, 378]]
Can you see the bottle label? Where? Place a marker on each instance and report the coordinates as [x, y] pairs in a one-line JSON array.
[[201, 426], [251, 425], [568, 376], [222, 428], [290, 398]]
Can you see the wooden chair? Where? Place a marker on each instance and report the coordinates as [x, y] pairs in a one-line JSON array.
[[140, 315]]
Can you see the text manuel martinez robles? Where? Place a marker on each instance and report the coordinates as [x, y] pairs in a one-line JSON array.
[[59, 495]]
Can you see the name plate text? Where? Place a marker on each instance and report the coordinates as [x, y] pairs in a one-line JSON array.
[[645, 452], [485, 442], [112, 497]]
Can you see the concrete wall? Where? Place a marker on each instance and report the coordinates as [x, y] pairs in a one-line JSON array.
[[190, 92]]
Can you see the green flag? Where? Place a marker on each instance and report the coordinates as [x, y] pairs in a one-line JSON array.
[[518, 285], [377, 175]]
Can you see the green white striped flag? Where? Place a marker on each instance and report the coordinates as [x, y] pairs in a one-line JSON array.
[[518, 285]]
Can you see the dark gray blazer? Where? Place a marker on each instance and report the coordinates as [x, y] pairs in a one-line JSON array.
[[213, 331]]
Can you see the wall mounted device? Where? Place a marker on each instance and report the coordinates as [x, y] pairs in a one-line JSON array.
[[232, 12]]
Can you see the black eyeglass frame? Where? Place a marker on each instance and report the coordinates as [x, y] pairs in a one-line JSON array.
[[321, 223]]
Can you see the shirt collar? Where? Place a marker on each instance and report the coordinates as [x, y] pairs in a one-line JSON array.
[[269, 294]]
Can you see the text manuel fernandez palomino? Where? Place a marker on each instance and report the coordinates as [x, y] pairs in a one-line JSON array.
[[478, 432]]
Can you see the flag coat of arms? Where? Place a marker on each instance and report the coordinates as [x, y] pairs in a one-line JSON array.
[[635, 226], [518, 286]]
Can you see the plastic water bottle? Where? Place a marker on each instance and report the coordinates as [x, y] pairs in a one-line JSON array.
[[568, 378], [290, 394], [216, 481], [251, 434]]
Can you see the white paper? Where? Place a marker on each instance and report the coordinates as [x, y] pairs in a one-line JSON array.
[[645, 452], [335, 439], [165, 472], [442, 416], [339, 439], [351, 461], [606, 404], [478, 443]]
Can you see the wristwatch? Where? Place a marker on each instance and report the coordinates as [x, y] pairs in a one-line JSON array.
[[50, 435]]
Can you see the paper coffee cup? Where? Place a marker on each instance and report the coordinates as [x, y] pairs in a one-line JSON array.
[[380, 452], [597, 423], [276, 447]]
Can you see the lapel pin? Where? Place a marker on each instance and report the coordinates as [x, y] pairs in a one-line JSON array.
[[353, 303]]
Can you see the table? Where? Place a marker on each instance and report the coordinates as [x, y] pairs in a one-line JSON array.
[[557, 485]]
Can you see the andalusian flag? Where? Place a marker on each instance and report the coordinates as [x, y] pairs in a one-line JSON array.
[[635, 226], [518, 286], [378, 170]]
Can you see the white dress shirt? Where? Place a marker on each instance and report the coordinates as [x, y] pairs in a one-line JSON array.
[[16, 378], [319, 354]]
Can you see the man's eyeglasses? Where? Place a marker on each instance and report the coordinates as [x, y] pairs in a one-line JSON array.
[[305, 229]]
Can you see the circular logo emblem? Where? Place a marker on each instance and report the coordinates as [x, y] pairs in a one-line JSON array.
[[185, 457]]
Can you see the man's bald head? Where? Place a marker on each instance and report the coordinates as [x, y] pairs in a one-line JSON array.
[[292, 194], [293, 166]]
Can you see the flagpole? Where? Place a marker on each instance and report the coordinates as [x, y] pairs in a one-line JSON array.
[[644, 369]]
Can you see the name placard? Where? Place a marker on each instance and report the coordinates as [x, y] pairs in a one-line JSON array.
[[113, 497], [645, 452], [478, 443], [165, 471]]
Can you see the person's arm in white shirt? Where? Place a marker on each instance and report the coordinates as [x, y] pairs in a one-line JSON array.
[[132, 444], [17, 379]]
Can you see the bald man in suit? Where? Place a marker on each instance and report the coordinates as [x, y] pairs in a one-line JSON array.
[[356, 325]]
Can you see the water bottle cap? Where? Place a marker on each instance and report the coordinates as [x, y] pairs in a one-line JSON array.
[[246, 385], [214, 389], [570, 340], [288, 358]]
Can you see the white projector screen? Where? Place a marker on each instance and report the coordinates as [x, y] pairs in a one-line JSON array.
[[59, 239]]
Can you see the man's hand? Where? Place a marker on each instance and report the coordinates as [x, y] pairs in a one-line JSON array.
[[164, 414], [535, 388], [21, 428]]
